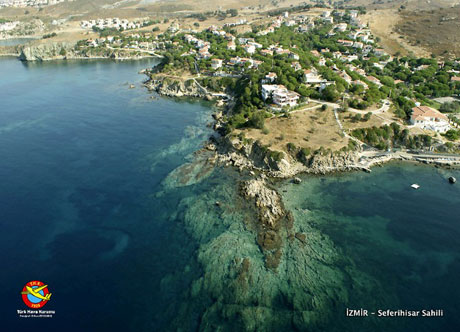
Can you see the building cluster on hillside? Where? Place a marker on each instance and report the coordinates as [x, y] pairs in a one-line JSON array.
[[116, 23], [8, 26], [234, 24], [358, 44], [30, 3], [146, 42], [201, 46], [355, 57]]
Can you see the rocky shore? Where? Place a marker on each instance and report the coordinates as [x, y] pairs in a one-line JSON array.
[[67, 51], [231, 151], [248, 155], [173, 87], [272, 224], [185, 87], [266, 256]]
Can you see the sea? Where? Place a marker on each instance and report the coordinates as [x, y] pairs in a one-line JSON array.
[[106, 197]]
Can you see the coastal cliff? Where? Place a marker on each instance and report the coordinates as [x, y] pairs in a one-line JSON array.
[[47, 51], [66, 51], [252, 155], [174, 87]]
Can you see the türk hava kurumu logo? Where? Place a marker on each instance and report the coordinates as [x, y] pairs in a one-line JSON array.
[[35, 294]]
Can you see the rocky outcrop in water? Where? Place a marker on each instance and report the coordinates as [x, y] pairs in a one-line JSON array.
[[267, 201], [46, 51], [63, 50], [273, 222], [239, 287], [332, 162], [173, 87]]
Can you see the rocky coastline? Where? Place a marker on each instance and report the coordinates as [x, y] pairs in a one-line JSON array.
[[231, 150], [67, 51], [273, 223], [248, 155], [177, 88]]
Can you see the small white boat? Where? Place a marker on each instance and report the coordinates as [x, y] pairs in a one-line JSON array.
[[415, 186]]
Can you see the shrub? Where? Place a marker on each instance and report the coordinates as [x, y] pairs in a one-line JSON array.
[[257, 120], [49, 35], [452, 107], [276, 155], [303, 155], [452, 134], [291, 147]]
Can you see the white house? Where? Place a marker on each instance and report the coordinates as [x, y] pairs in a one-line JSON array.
[[341, 27], [216, 63], [293, 56], [296, 65], [284, 97], [251, 49], [270, 77], [428, 118], [268, 89], [379, 52], [311, 76], [235, 61], [280, 95], [346, 77], [231, 46], [347, 43]]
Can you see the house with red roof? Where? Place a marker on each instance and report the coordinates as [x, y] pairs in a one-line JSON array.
[[428, 118]]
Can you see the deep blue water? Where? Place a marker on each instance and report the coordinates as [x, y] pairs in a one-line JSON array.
[[81, 157]]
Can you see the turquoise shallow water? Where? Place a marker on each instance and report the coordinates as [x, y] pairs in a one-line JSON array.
[[88, 204], [406, 240]]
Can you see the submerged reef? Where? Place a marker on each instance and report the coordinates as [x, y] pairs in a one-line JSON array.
[[261, 269]]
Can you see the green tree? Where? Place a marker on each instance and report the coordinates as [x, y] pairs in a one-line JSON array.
[[257, 120], [330, 93]]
